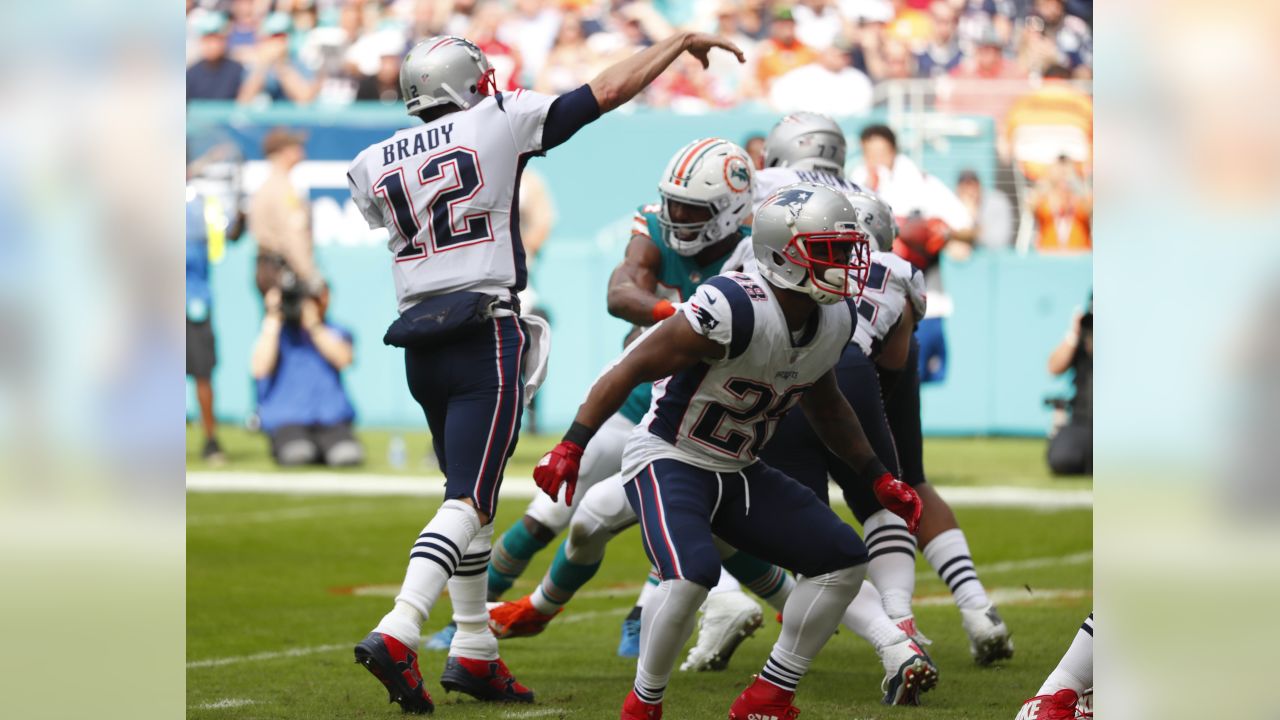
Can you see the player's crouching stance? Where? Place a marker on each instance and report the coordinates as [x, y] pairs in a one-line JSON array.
[[458, 272], [746, 348]]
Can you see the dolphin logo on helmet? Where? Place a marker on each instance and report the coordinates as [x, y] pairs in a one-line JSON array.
[[710, 173]]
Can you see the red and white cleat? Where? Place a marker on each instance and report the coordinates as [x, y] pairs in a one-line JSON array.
[[487, 680], [908, 625], [908, 671], [1058, 706], [762, 700], [633, 708], [518, 619]]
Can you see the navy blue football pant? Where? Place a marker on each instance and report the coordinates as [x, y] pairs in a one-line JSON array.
[[796, 449], [902, 407], [472, 392], [757, 510]]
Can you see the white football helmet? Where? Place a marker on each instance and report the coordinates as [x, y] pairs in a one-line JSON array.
[[808, 237], [806, 141], [712, 173], [445, 69], [876, 218]]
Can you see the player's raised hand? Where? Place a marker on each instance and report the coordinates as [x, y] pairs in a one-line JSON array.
[[900, 499], [559, 468], [700, 45]]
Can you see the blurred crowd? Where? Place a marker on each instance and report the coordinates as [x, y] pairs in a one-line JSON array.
[[800, 52]]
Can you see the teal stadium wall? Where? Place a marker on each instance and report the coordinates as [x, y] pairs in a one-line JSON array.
[[1010, 310]]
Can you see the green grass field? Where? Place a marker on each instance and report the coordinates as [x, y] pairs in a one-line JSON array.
[[280, 587]]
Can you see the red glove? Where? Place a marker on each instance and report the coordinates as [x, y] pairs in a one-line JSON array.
[[897, 497], [559, 467], [662, 310]]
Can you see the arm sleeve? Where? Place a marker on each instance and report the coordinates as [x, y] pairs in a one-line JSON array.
[[368, 208], [539, 122], [568, 114]]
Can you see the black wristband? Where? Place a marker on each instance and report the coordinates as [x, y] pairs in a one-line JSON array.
[[872, 469], [579, 434]]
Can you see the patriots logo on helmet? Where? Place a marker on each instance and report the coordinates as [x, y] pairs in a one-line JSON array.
[[705, 319], [792, 198]]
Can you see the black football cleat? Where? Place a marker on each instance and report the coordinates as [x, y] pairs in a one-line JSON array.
[[396, 667]]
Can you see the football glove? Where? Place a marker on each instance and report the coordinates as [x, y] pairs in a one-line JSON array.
[[898, 498], [559, 468]]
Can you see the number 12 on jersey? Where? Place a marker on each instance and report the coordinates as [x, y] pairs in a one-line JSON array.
[[445, 181]]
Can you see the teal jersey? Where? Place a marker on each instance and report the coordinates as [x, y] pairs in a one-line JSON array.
[[678, 277]]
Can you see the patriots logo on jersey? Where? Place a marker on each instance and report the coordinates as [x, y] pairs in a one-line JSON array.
[[705, 319]]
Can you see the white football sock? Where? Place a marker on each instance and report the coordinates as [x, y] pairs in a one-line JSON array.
[[665, 626], [892, 568], [948, 553], [1075, 670], [809, 619], [727, 583], [865, 617], [467, 591], [432, 560]]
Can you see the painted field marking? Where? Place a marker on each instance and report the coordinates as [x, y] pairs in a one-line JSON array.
[[1028, 564], [273, 655], [546, 712], [373, 485], [224, 703], [304, 512]]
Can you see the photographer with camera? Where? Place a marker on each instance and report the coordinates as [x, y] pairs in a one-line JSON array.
[[1071, 447], [297, 360]]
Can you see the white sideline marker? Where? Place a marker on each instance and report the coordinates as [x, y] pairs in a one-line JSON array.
[[373, 485]]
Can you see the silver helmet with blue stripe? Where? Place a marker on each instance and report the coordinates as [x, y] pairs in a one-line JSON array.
[[808, 238], [445, 69]]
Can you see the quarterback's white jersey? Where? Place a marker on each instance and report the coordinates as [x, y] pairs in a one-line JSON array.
[[717, 414], [446, 192], [892, 282], [769, 180]]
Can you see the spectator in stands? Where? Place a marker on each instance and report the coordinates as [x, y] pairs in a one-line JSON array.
[[980, 18], [1062, 205], [818, 23], [215, 76], [910, 25], [828, 86], [531, 29], [931, 220], [274, 74], [754, 146], [279, 219], [571, 61], [782, 52], [1071, 446], [487, 18], [243, 31], [1052, 37], [297, 362], [992, 212], [890, 60], [942, 54], [733, 81], [1055, 105], [988, 61], [384, 85]]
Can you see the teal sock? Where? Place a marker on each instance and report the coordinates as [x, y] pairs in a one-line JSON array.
[[511, 555], [760, 577], [562, 581]]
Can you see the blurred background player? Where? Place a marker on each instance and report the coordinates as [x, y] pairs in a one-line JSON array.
[[206, 232], [297, 363], [1067, 694], [694, 233], [746, 349], [467, 375], [803, 147]]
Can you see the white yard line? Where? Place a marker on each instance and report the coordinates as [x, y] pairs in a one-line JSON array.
[[1010, 596], [372, 485], [304, 512], [224, 703], [545, 712], [1028, 564], [273, 655]]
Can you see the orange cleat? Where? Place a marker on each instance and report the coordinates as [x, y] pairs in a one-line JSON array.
[[518, 619]]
